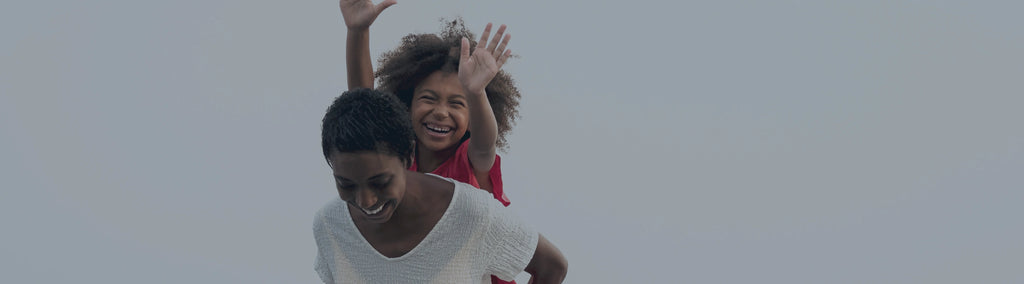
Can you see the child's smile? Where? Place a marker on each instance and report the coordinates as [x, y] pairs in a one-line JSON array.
[[437, 130], [439, 111]]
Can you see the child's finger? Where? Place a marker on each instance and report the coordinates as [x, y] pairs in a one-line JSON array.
[[501, 48], [494, 41], [464, 53], [483, 37], [384, 5], [503, 58]]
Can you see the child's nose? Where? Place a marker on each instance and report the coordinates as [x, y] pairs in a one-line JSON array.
[[441, 112]]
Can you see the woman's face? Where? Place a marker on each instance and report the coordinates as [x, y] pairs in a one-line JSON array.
[[439, 114], [372, 183]]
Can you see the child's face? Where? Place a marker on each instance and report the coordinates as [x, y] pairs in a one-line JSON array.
[[439, 114], [372, 183]]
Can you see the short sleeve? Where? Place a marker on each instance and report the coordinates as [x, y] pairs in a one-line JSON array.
[[462, 170], [459, 168], [510, 243], [498, 190], [321, 265]]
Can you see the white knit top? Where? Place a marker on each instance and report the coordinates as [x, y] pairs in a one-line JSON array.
[[475, 238]]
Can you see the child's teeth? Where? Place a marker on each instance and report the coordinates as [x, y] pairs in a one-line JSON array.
[[439, 129]]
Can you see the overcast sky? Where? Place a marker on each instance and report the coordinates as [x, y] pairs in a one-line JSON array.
[[660, 141]]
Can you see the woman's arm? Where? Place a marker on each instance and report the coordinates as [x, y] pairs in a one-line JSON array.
[[548, 265], [359, 15], [476, 70]]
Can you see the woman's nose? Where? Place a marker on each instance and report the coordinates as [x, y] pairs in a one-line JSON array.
[[366, 199]]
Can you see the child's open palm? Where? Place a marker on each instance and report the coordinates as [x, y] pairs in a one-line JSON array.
[[359, 14], [476, 69]]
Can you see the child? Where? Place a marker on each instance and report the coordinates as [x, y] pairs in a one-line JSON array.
[[450, 92], [393, 225]]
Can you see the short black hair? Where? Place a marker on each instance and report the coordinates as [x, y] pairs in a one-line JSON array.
[[367, 120]]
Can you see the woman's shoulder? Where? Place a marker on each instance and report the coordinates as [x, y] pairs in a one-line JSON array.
[[476, 203], [331, 213], [468, 197], [465, 190]]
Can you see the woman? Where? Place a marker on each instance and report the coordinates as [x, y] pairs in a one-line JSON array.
[[393, 225]]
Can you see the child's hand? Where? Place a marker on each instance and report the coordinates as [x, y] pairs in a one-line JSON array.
[[359, 14], [477, 70]]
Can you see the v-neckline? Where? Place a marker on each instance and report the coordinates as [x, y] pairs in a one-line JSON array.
[[455, 195]]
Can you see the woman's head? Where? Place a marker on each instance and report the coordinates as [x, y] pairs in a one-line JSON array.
[[425, 62], [364, 120], [367, 141]]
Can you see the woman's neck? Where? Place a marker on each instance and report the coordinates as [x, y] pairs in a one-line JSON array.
[[423, 197]]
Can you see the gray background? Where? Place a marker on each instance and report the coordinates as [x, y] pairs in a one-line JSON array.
[[660, 141]]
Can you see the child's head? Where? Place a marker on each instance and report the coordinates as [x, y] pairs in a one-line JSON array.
[[367, 141], [423, 73]]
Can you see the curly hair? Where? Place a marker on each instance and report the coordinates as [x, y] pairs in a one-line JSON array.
[[367, 120], [420, 55]]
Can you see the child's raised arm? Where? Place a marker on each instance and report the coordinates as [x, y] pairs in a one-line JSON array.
[[476, 70], [359, 15]]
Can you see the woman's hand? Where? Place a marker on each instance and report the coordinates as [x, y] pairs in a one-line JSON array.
[[476, 69], [359, 14]]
